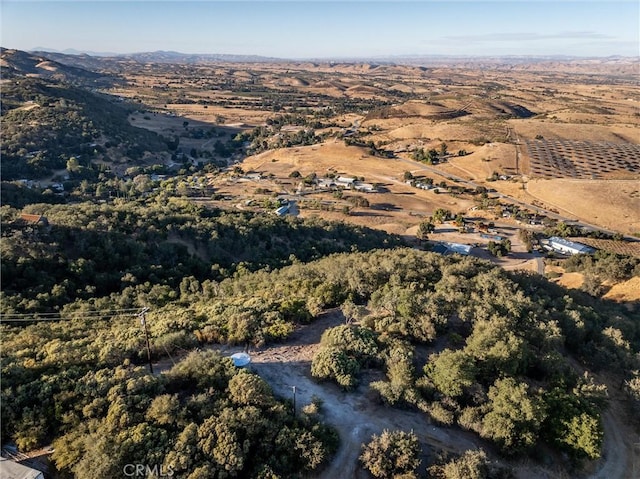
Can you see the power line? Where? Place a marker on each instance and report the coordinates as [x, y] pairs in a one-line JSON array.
[[58, 313], [61, 316], [94, 314]]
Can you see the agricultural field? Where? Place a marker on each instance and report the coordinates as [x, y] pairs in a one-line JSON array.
[[612, 204], [613, 246], [582, 159]]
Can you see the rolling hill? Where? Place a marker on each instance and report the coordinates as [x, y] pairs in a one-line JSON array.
[[46, 120], [18, 64]]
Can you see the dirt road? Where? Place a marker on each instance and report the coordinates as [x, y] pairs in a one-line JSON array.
[[620, 455], [356, 415]]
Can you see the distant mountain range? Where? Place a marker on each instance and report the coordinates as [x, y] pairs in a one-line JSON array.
[[162, 56], [73, 51], [116, 65]]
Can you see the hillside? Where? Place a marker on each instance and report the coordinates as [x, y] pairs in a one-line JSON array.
[[465, 347], [16, 64], [45, 123], [107, 249]]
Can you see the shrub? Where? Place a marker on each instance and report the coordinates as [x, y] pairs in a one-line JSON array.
[[440, 414], [470, 465], [391, 454], [334, 363]]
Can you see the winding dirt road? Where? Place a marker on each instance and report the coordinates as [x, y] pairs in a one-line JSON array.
[[357, 415]]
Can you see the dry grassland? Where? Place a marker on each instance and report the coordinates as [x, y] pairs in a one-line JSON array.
[[483, 161], [498, 106], [233, 116], [396, 208], [574, 131], [628, 291], [614, 204], [624, 292]]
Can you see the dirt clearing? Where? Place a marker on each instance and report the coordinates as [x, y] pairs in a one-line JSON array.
[[356, 415]]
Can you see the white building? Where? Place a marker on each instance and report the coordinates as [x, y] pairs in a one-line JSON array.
[[345, 181], [366, 187], [463, 249], [283, 210], [326, 183], [447, 248], [564, 246], [290, 208]]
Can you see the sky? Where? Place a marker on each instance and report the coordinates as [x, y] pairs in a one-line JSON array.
[[328, 29]]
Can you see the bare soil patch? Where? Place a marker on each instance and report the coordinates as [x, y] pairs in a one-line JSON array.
[[356, 415]]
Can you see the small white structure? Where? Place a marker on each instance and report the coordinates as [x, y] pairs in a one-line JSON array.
[[326, 183], [13, 470], [366, 187], [290, 208], [447, 248], [564, 246], [240, 360], [283, 210], [345, 181], [463, 249]]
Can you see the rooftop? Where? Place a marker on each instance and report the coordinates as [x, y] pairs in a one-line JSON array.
[[582, 248], [13, 470]]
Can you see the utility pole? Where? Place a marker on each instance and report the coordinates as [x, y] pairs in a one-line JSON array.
[[143, 321], [294, 400]]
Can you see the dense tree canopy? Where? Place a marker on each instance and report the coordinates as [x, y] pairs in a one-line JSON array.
[[202, 415], [63, 121], [502, 369], [147, 251]]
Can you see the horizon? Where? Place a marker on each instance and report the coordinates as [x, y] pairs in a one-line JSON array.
[[382, 58], [306, 30]]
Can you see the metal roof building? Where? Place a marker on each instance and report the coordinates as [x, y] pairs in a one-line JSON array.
[[568, 247], [447, 248]]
